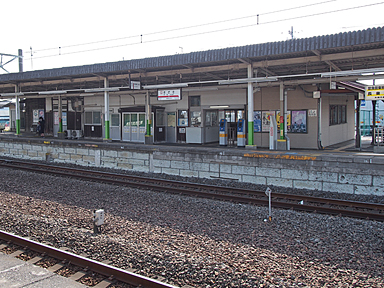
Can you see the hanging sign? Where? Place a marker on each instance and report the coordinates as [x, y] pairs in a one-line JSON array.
[[169, 94], [374, 92], [135, 85]]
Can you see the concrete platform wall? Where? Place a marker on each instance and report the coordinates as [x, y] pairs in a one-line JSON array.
[[333, 173]]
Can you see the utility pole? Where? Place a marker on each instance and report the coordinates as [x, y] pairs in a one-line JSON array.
[[20, 60], [20, 56], [291, 32]]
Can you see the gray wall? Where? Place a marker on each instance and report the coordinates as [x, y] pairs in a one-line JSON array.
[[334, 173]]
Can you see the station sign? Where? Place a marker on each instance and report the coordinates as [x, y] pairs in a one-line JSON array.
[[169, 94], [135, 85], [374, 92]]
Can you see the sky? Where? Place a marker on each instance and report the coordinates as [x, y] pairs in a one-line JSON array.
[[54, 34]]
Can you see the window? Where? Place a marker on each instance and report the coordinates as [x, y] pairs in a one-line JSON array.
[[195, 118], [92, 117], [194, 101], [337, 114], [115, 120], [160, 118], [211, 118]]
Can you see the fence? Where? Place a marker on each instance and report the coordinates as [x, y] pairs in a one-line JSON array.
[[379, 136]]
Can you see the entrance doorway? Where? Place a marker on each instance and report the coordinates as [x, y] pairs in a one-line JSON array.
[[171, 127], [133, 127], [232, 117]]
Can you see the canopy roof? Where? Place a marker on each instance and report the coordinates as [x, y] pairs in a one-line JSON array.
[[338, 52]]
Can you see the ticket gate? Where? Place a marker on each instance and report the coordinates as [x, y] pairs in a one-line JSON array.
[[223, 132], [241, 133]]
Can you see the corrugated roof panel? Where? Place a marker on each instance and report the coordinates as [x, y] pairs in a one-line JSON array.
[[295, 45], [375, 35], [353, 38], [275, 48], [345, 39], [323, 42]]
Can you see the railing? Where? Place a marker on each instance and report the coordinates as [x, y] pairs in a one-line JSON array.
[[379, 136]]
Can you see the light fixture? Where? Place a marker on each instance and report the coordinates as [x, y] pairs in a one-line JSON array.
[[352, 72], [219, 106], [247, 80], [191, 89], [53, 92], [164, 86], [86, 94], [370, 77], [95, 90]]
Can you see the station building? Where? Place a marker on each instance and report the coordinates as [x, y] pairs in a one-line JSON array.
[[303, 92]]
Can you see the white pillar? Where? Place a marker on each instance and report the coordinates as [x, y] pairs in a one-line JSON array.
[[17, 106], [60, 115], [148, 113], [106, 109], [282, 111], [250, 107]]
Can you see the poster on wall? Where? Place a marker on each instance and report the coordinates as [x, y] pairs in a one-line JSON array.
[[56, 118], [266, 120], [37, 114], [278, 120], [299, 122], [256, 121]]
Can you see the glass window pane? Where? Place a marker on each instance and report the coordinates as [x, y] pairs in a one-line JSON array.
[[194, 101], [134, 119], [195, 118], [88, 117], [160, 118], [211, 118], [115, 120], [96, 117], [127, 119], [142, 120]]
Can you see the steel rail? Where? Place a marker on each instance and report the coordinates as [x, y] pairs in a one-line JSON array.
[[98, 267], [276, 195], [203, 190]]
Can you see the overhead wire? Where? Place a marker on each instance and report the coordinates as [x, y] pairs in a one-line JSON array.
[[181, 28], [205, 32]]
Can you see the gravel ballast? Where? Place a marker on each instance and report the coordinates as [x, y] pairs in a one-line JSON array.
[[186, 240]]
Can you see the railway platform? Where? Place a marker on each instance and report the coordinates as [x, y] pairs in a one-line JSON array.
[[347, 147], [341, 168], [18, 273]]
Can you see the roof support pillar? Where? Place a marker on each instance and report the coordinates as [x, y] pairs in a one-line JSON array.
[[106, 110], [250, 107], [17, 104], [285, 113], [60, 115], [282, 111], [148, 134]]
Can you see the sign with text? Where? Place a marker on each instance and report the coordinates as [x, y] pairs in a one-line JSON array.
[[169, 94], [135, 85], [374, 92]]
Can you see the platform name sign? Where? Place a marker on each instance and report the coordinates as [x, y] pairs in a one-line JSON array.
[[374, 92], [169, 94]]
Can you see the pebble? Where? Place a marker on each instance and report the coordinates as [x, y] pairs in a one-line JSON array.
[[193, 241]]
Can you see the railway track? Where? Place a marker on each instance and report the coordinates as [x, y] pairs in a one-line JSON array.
[[354, 209], [107, 274]]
